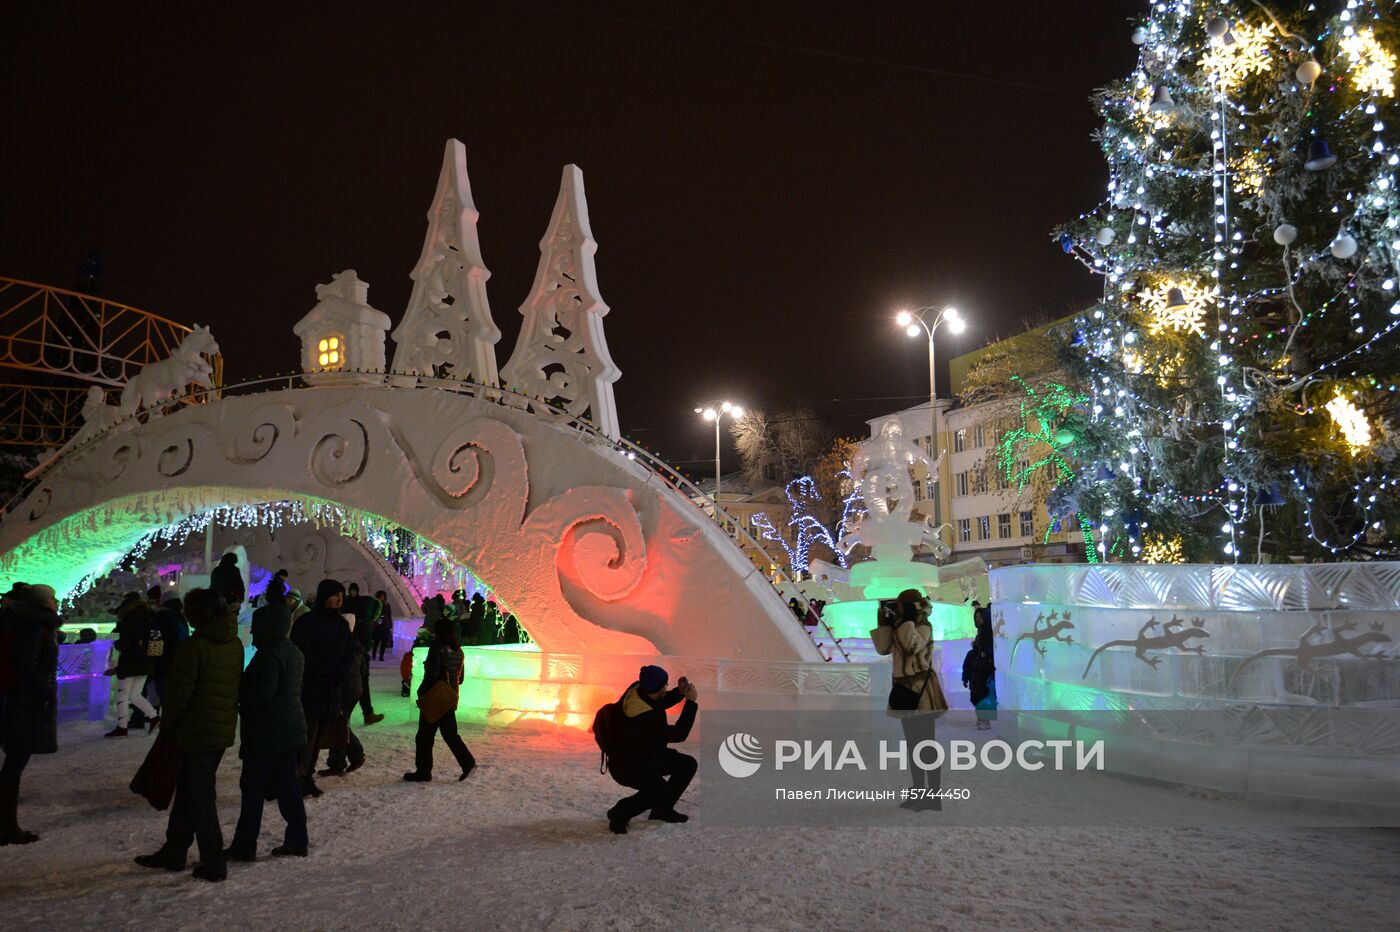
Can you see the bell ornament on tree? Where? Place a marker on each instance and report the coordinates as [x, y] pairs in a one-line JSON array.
[[1285, 234], [1104, 236], [1139, 36], [1162, 100], [1217, 27], [1308, 72], [1320, 156], [1176, 300]]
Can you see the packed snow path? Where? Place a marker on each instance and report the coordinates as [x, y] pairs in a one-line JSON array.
[[522, 844]]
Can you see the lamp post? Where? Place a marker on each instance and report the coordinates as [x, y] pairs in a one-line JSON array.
[[715, 411], [927, 320]]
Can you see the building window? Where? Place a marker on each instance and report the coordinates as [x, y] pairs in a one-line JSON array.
[[1001, 482], [960, 440], [918, 489], [964, 530], [962, 482], [1003, 526], [977, 436], [979, 482], [984, 528], [330, 353], [1027, 524]]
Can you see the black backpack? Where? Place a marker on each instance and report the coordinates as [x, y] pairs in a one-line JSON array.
[[607, 732]]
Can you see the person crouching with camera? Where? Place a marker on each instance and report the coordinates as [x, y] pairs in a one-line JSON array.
[[916, 696]]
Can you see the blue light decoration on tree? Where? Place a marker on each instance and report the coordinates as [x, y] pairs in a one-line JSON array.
[[807, 529], [1248, 244]]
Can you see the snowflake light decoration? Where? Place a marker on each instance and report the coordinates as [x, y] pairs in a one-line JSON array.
[[1164, 551], [1351, 421], [1372, 67], [1249, 54], [1249, 173], [1189, 318]]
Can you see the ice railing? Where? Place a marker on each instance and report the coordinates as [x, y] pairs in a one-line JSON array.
[[1231, 588], [670, 478]]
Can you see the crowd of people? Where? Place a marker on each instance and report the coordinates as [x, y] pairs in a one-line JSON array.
[[179, 666], [180, 663]]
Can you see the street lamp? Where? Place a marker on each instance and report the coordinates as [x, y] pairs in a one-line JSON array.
[[715, 411], [927, 320]]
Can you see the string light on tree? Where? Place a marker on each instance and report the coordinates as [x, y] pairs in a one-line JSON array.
[[1265, 194]]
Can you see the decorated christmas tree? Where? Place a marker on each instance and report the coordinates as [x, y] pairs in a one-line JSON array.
[[1241, 370]]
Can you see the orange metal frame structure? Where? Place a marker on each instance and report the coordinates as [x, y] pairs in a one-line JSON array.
[[70, 340]]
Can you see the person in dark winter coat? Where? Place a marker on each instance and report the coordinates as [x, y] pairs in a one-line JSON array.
[[350, 756], [475, 620], [980, 668], [201, 716], [442, 664], [28, 694], [273, 732], [135, 622], [174, 630], [383, 628], [323, 637], [643, 761], [366, 612], [227, 580]]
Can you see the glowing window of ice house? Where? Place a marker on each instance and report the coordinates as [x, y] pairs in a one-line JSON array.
[[330, 353]]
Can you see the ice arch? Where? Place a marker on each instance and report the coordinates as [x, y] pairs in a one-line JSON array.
[[593, 549]]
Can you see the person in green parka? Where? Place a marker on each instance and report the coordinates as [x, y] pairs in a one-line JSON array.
[[200, 714], [273, 732]]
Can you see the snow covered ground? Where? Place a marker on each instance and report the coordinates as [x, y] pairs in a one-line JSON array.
[[522, 844]]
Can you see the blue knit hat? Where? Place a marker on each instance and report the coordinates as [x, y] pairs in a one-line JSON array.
[[651, 678]]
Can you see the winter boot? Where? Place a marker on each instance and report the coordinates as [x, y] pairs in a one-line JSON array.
[[288, 851], [668, 815], [162, 860], [10, 832], [118, 732], [214, 873], [414, 776], [616, 823], [373, 717]]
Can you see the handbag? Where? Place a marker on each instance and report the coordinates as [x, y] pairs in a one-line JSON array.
[[335, 735], [904, 699], [156, 777], [437, 702]]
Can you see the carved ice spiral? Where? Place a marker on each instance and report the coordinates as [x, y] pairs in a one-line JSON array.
[[175, 458], [341, 455], [601, 546], [268, 423]]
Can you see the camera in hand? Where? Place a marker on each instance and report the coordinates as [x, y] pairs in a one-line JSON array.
[[888, 612]]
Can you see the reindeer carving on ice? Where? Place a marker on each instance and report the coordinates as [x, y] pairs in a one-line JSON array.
[[161, 381]]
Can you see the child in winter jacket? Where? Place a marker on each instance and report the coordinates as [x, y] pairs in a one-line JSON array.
[[406, 672]]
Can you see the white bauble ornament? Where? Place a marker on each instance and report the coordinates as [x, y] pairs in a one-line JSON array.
[[1104, 236], [1139, 36], [1285, 234], [1308, 72], [1218, 27], [1344, 246]]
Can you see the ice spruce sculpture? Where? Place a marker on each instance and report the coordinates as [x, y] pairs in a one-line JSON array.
[[881, 468]]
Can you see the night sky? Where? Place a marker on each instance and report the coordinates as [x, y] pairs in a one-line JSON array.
[[768, 182]]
